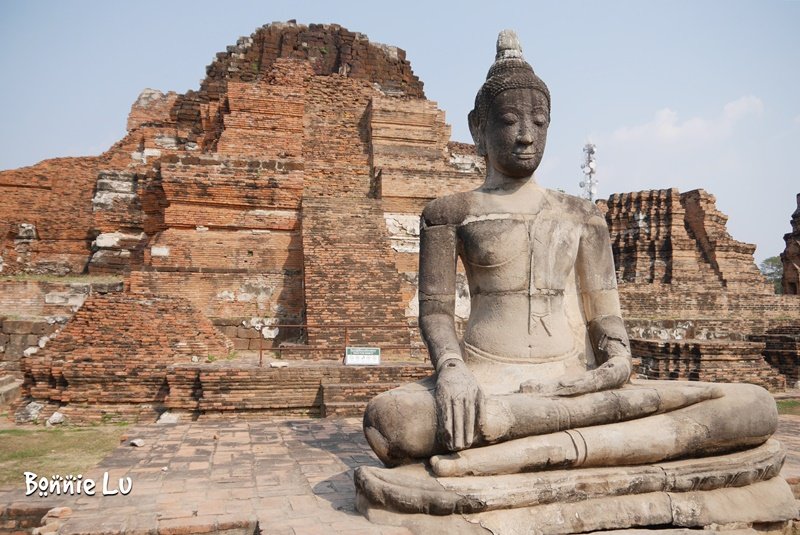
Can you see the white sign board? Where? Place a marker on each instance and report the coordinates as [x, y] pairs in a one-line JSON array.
[[362, 356]]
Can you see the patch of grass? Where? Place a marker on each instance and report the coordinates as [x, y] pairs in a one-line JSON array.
[[789, 406], [48, 451]]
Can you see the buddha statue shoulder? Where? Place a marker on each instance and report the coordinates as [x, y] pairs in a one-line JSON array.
[[540, 382]]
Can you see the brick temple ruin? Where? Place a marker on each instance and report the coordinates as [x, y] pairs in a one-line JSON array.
[[276, 209], [791, 256]]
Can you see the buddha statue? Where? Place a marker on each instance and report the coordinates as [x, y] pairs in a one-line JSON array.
[[533, 416]]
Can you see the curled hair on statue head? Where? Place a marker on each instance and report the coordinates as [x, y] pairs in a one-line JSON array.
[[509, 71]]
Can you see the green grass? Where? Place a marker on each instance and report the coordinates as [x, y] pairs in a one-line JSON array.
[[47, 451], [789, 406]]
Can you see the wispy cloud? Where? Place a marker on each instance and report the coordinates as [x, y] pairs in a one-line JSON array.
[[667, 128]]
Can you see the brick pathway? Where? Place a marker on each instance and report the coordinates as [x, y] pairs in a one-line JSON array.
[[290, 477]]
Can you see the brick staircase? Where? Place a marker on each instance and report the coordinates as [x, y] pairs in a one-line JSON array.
[[315, 388], [9, 389]]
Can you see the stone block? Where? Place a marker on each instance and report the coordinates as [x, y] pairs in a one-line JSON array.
[[57, 298], [244, 332], [40, 328], [18, 326], [15, 347], [258, 343], [229, 331], [241, 343]]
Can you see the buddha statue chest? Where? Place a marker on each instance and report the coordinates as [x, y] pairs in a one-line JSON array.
[[518, 268]]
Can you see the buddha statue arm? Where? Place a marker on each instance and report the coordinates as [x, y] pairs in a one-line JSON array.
[[598, 288], [457, 391]]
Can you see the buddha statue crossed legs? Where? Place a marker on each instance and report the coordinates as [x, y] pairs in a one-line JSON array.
[[541, 378]]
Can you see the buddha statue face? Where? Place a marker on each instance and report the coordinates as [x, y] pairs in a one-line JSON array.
[[515, 132]]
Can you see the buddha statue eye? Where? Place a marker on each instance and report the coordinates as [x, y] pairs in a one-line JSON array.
[[539, 119], [509, 118]]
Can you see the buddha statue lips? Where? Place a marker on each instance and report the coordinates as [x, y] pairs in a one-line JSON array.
[[541, 379]]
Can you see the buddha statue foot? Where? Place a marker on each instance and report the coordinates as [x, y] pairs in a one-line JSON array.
[[767, 501]]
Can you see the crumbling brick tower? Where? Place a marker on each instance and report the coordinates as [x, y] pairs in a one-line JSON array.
[[694, 302], [262, 198], [791, 255]]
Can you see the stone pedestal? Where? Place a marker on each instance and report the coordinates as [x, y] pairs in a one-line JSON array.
[[740, 488]]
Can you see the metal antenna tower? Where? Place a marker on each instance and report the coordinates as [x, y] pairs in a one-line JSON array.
[[589, 168]]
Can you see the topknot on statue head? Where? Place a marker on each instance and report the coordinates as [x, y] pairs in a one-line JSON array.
[[509, 71]]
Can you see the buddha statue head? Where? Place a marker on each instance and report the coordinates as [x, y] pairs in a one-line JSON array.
[[512, 112]]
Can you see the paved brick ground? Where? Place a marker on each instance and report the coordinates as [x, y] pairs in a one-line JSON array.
[[291, 477]]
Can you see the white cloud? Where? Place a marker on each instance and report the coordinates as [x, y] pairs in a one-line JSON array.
[[665, 127]]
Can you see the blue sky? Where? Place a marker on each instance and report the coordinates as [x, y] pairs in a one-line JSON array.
[[686, 94]]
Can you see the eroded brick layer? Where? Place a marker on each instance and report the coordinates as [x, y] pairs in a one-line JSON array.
[[707, 360], [116, 350]]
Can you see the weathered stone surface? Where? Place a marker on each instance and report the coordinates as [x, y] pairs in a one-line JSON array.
[[765, 500], [55, 419], [412, 489], [29, 412]]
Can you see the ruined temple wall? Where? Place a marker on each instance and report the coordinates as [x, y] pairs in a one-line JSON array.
[[732, 260], [713, 361], [46, 215], [412, 163], [329, 49], [663, 236], [790, 257], [232, 242], [272, 297], [726, 313], [264, 119], [42, 299]]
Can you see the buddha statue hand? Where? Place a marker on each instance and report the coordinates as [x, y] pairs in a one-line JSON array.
[[611, 348], [613, 373], [457, 397]]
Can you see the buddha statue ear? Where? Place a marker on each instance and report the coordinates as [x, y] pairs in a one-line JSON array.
[[476, 129]]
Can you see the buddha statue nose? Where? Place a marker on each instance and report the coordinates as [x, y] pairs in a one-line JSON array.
[[525, 135]]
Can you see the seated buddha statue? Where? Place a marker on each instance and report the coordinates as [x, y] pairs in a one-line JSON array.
[[538, 392]]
